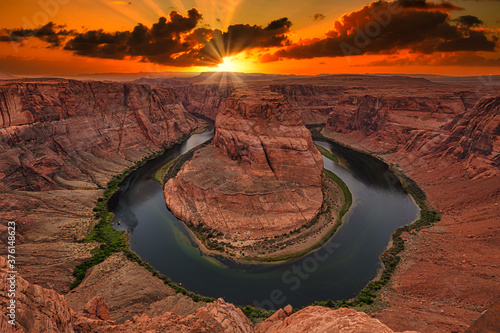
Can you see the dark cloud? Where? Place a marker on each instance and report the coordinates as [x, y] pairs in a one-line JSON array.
[[100, 44], [387, 27], [319, 17], [179, 41], [427, 5], [51, 33], [240, 37], [469, 21]]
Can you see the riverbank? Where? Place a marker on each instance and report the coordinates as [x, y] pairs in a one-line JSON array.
[[443, 279], [113, 241], [293, 244]]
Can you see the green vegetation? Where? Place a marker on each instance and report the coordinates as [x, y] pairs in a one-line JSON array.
[[256, 314], [160, 174], [112, 241], [325, 152], [345, 191]]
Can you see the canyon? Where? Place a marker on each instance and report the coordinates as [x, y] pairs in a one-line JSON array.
[[61, 141]]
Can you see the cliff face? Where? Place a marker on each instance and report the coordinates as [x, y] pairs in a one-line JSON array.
[[392, 118], [204, 99], [268, 138], [262, 176], [437, 126], [55, 132], [475, 138], [312, 103], [37, 309]]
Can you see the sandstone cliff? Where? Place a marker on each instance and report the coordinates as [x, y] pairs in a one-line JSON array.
[[72, 134], [204, 99], [61, 141], [313, 103], [442, 125], [449, 145], [262, 176]]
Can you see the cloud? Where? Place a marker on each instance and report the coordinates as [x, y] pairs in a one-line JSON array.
[[51, 33], [240, 37], [424, 5], [179, 41], [387, 27], [319, 17], [469, 21]]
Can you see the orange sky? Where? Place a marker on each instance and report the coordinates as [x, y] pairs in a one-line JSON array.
[[302, 48]]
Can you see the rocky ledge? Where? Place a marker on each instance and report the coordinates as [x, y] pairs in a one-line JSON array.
[[260, 178]]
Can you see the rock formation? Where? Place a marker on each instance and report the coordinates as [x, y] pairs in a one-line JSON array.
[[316, 319], [260, 178], [312, 102], [37, 310], [204, 99], [53, 133]]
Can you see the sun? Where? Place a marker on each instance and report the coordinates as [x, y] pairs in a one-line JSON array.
[[228, 64]]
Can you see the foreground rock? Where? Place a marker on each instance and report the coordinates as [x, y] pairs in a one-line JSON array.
[[129, 290], [260, 178], [316, 319], [37, 310]]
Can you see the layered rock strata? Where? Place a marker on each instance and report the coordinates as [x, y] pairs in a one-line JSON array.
[[260, 178], [70, 134]]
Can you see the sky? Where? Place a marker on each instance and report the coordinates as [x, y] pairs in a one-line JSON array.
[[66, 37]]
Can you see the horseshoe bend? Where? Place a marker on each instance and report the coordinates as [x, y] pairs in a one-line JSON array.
[[69, 149], [261, 178]]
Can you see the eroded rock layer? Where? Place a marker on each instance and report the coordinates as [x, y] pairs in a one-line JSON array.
[[68, 134], [261, 177]]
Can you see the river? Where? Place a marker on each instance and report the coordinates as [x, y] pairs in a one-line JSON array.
[[337, 270]]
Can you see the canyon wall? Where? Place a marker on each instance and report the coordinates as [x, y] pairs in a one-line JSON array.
[[449, 144], [68, 138], [313, 103], [72, 134], [434, 125], [61, 141], [204, 99]]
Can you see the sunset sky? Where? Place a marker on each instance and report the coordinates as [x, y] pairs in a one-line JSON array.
[[63, 37]]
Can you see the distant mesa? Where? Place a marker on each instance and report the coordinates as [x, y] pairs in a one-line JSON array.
[[4, 76], [260, 178]]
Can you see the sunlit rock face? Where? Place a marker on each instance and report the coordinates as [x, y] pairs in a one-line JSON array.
[[260, 178]]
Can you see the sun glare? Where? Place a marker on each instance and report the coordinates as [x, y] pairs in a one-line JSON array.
[[228, 64]]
